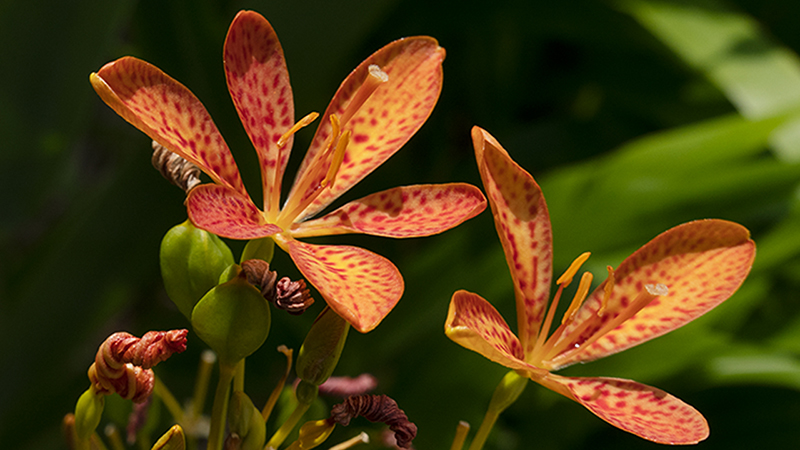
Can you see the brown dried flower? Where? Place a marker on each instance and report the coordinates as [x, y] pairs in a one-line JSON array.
[[291, 296], [175, 169], [123, 362], [376, 408]]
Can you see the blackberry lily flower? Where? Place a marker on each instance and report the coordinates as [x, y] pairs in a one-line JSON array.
[[675, 278], [377, 108]]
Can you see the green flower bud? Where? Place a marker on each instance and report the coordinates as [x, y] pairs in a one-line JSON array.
[[262, 248], [322, 347], [173, 439], [191, 263], [233, 319], [508, 391], [246, 421], [88, 412]]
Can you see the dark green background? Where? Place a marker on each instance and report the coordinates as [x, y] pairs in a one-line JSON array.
[[627, 135]]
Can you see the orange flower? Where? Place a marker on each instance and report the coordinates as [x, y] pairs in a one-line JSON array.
[[377, 108], [675, 278]]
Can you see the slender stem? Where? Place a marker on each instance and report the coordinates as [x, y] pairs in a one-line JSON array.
[[283, 432], [172, 404], [220, 409], [207, 360], [461, 435], [506, 393], [238, 379]]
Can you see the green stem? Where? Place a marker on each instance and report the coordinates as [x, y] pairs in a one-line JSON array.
[[238, 379], [220, 409], [506, 393], [283, 432], [207, 360], [172, 404]]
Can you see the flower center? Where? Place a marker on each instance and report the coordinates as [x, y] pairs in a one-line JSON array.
[[325, 166], [557, 344]]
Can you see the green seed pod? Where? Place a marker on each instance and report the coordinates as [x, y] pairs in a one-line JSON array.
[[246, 421], [322, 347], [233, 319], [262, 248], [173, 439], [88, 412], [191, 263]]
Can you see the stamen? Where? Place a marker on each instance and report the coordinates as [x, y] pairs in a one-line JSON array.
[[566, 279], [650, 292], [302, 123], [299, 201], [375, 77], [580, 296], [545, 330], [275, 195], [611, 281], [338, 157]]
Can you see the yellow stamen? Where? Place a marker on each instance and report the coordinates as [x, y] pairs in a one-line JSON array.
[[545, 330], [338, 157], [302, 123], [650, 292], [375, 77], [609, 287], [566, 279], [580, 296], [272, 204], [330, 157]]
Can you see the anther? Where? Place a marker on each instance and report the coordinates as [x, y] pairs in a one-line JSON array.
[[573, 268], [580, 296], [607, 290], [304, 122], [174, 168]]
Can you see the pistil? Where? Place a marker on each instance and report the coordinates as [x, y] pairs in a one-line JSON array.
[[375, 77]]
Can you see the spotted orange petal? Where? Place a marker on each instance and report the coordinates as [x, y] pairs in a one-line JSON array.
[[523, 224], [645, 411], [394, 112], [169, 113], [702, 263], [474, 323], [227, 213], [361, 286], [409, 211], [259, 85]]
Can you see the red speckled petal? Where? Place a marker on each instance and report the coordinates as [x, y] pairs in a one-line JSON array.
[[523, 224], [259, 85], [227, 213], [169, 113], [410, 211], [394, 112], [361, 286], [474, 323], [645, 411], [701, 262]]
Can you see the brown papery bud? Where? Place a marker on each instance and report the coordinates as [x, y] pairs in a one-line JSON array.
[[290, 296], [174, 168]]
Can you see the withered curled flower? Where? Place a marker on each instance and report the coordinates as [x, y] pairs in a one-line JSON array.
[[174, 168], [347, 386], [123, 362], [376, 408], [290, 296]]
